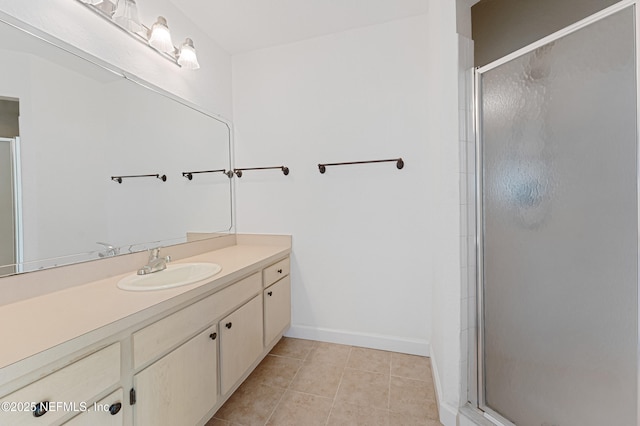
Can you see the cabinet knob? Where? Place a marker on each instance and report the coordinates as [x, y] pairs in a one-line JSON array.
[[115, 408], [40, 409], [279, 271], [228, 325], [270, 293], [213, 336]]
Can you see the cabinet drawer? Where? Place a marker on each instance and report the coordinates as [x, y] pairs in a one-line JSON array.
[[153, 341], [98, 414], [276, 271], [67, 388]]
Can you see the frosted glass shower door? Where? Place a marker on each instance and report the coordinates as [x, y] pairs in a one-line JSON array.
[[558, 211]]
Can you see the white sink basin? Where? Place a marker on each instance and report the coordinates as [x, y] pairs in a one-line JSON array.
[[175, 275]]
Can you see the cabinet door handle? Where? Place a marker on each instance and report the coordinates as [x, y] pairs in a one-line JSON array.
[[213, 336], [270, 293], [40, 409], [115, 408], [228, 325], [279, 271]]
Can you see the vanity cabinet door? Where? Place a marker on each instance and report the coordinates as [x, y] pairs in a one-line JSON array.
[[240, 342], [181, 387], [277, 309], [106, 412]]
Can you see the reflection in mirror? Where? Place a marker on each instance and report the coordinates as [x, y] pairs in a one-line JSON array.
[[66, 127]]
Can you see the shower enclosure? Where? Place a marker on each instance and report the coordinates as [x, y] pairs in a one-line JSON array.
[[557, 220]]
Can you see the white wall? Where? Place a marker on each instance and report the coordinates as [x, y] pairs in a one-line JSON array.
[[362, 235], [443, 126], [70, 21]]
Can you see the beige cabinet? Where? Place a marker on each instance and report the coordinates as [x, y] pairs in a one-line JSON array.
[[240, 342], [180, 368], [158, 338], [106, 412], [48, 400], [181, 387], [277, 309]]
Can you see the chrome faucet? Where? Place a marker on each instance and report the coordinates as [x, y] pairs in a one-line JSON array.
[[155, 264], [109, 250]]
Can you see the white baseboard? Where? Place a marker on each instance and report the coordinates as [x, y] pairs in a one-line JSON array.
[[374, 341], [448, 413]]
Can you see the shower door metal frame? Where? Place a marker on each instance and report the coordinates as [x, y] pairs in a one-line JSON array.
[[477, 379], [14, 144]]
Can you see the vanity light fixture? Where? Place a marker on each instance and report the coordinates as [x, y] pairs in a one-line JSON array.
[[124, 14], [160, 37], [187, 56]]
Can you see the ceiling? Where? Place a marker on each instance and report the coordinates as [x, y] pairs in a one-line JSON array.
[[244, 25]]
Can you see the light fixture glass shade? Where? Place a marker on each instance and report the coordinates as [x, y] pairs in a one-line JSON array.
[[126, 15], [187, 56], [160, 37], [107, 6]]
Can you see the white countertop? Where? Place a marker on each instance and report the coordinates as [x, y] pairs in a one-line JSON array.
[[100, 308]]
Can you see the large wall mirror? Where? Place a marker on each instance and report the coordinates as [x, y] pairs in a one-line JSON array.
[[67, 126]]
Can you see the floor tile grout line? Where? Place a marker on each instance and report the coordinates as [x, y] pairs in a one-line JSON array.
[[313, 345], [390, 370], [275, 407], [411, 378], [285, 356], [289, 385], [335, 397], [308, 393]]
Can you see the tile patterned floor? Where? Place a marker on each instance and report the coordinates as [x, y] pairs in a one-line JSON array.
[[306, 383]]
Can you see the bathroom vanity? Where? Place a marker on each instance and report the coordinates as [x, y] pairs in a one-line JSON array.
[[94, 354]]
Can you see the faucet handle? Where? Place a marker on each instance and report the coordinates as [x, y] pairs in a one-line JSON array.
[[107, 245], [110, 250], [154, 253]]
